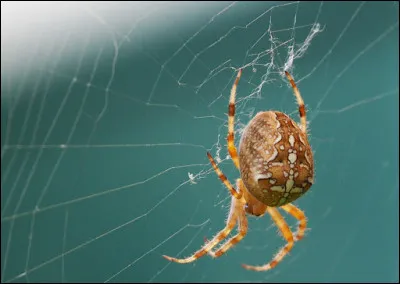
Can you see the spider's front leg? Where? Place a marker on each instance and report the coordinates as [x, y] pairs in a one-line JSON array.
[[300, 216], [243, 226], [230, 224], [287, 234]]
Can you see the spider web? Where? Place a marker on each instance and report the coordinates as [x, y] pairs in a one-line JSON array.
[[109, 108]]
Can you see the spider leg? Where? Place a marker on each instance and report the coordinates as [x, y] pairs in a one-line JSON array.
[[223, 178], [287, 234], [300, 216], [300, 102], [231, 122], [230, 224], [235, 239]]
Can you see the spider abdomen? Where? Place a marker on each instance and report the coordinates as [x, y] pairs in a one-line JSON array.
[[276, 162]]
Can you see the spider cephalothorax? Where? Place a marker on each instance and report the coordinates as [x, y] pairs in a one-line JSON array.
[[276, 167]]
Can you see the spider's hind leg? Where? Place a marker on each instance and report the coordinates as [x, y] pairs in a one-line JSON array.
[[300, 102], [231, 122]]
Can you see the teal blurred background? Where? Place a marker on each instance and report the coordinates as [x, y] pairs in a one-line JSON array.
[[105, 128]]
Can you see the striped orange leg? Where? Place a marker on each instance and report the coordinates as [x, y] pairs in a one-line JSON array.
[[235, 239], [287, 234], [300, 102], [231, 122], [223, 178], [300, 216], [230, 224]]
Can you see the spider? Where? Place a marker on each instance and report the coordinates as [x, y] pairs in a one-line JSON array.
[[276, 167]]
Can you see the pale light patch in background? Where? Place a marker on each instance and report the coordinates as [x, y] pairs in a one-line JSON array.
[[29, 27]]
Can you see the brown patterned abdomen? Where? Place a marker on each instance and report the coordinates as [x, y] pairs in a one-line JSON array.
[[276, 162]]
